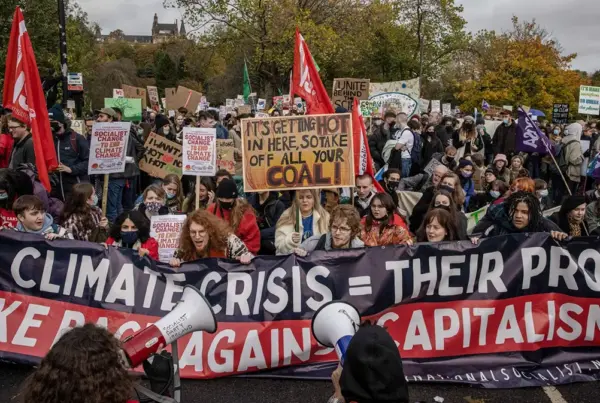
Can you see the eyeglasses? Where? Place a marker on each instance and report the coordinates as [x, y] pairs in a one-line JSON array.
[[341, 230], [13, 127]]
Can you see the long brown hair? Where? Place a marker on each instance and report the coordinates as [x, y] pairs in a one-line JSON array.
[[217, 230], [390, 207], [77, 205], [240, 208], [290, 215], [445, 219], [458, 194], [174, 179], [84, 366]]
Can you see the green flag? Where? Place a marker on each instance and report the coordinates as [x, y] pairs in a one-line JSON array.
[[247, 88]]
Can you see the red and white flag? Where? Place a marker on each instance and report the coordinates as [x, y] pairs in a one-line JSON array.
[[363, 163], [23, 95], [306, 82]]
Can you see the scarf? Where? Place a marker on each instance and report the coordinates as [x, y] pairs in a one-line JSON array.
[[574, 228]]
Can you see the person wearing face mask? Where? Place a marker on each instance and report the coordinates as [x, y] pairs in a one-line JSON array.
[[380, 137], [500, 167], [237, 213], [163, 127], [438, 226], [447, 158], [571, 217], [505, 137], [82, 217], [171, 184], [382, 226], [465, 174], [131, 230], [445, 131], [154, 200], [541, 190], [443, 200], [466, 139], [390, 183], [72, 153], [499, 192]]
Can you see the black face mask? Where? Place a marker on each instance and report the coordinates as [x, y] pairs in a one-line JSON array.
[[449, 129], [55, 126], [393, 185], [449, 159], [468, 126], [226, 205]]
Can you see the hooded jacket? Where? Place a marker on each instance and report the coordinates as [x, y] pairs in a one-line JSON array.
[[48, 228], [497, 222], [572, 152]]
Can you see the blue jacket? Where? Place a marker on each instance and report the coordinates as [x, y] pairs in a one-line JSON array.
[[222, 133]]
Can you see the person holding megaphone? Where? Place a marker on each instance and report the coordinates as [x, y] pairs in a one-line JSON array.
[[370, 368]]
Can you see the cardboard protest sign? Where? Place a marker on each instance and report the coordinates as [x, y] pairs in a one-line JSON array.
[[170, 97], [244, 110], [298, 152], [560, 114], [135, 92], [154, 98], [184, 97], [108, 147], [118, 93], [446, 109], [226, 155], [199, 151], [78, 126], [131, 108], [435, 106], [589, 100], [346, 89], [162, 157], [166, 229]]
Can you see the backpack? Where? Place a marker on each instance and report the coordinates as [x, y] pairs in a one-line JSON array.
[[416, 153], [562, 162]]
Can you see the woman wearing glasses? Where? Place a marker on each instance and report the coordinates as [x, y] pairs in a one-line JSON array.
[[344, 229]]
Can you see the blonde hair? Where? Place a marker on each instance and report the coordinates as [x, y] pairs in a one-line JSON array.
[[290, 215]]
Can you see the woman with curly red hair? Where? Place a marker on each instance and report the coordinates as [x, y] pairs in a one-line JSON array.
[[204, 235], [84, 366]]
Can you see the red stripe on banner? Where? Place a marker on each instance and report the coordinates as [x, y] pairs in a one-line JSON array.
[[29, 326]]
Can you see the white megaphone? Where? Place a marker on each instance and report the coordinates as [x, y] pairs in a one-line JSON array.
[[192, 313], [334, 325]]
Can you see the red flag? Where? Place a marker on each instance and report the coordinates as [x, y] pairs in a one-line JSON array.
[[363, 163], [306, 82], [24, 96]]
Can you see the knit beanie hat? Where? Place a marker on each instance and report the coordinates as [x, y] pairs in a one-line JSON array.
[[227, 189]]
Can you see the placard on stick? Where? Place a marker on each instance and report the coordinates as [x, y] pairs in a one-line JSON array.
[[162, 157], [226, 155], [346, 89], [166, 229], [108, 147], [199, 151], [184, 97], [298, 152]]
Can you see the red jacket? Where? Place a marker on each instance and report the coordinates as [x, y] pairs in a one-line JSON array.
[[151, 245], [6, 146], [247, 231], [7, 218]]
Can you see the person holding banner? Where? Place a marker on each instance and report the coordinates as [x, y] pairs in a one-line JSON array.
[[571, 217], [132, 230], [84, 365], [82, 216], [444, 200], [344, 232], [520, 213], [303, 220], [205, 236], [438, 226], [382, 226]]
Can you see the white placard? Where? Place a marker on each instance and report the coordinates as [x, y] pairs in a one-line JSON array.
[[589, 100], [166, 229], [261, 104], [199, 151], [118, 93], [435, 106], [447, 109], [108, 147]]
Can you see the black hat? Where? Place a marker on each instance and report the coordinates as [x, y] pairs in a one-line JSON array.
[[161, 121], [227, 189], [571, 203], [373, 368]]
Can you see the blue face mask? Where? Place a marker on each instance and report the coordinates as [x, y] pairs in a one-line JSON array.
[[129, 237], [94, 200], [506, 121], [494, 193], [556, 131], [171, 196], [3, 196]]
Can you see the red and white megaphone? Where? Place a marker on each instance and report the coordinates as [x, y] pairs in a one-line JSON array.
[[334, 325], [192, 313]]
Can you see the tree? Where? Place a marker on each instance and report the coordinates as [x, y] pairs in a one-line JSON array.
[[521, 67]]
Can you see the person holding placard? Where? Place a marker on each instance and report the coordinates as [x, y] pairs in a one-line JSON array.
[[204, 235]]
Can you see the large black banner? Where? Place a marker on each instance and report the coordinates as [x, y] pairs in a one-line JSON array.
[[512, 311]]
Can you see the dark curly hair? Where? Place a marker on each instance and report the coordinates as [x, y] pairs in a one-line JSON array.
[[217, 230], [139, 219], [84, 366], [533, 204]]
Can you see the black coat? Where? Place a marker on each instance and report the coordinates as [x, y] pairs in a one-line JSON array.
[[431, 147], [22, 153], [376, 143], [72, 150]]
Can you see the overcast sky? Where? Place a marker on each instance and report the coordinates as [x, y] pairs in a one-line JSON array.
[[574, 23]]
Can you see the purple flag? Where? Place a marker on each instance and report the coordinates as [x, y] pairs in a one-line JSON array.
[[530, 138], [485, 106]]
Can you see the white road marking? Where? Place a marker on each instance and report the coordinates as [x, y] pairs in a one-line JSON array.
[[554, 395]]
